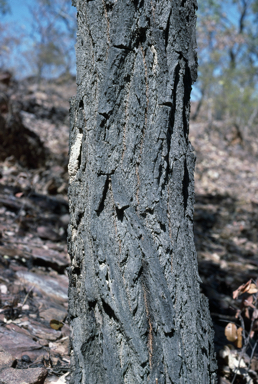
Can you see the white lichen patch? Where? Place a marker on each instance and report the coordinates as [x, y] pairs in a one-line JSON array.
[[155, 58], [74, 157], [74, 233]]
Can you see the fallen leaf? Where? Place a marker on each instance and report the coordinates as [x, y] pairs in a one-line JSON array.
[[248, 302], [19, 194], [238, 343], [255, 314], [246, 311], [231, 332], [55, 324], [252, 289], [238, 312], [242, 289]]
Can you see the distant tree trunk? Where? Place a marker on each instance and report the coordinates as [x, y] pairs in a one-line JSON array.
[[199, 104], [136, 311]]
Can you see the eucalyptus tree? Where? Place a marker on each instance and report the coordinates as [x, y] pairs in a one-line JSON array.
[[50, 38], [228, 57]]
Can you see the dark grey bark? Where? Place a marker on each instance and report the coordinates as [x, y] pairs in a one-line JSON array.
[[135, 307]]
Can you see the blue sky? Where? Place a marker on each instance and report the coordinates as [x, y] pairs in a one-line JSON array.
[[19, 19], [19, 11]]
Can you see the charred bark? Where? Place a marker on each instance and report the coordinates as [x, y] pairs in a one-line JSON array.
[[135, 307]]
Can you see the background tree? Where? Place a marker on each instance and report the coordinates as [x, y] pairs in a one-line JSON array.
[[44, 44], [135, 307], [8, 40], [4, 7], [228, 60], [52, 23]]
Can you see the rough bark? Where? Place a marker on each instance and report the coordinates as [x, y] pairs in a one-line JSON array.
[[135, 307]]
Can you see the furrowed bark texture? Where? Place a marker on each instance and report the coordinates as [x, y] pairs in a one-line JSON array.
[[135, 307]]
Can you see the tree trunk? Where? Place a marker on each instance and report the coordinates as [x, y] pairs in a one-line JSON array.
[[136, 311]]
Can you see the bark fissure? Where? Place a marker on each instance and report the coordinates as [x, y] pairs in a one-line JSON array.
[[185, 185], [109, 311], [166, 32], [104, 195], [150, 331], [126, 115]]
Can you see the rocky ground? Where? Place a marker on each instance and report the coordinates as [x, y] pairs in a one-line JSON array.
[[34, 334]]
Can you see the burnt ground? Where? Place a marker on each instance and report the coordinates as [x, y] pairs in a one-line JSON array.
[[34, 331], [226, 221]]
